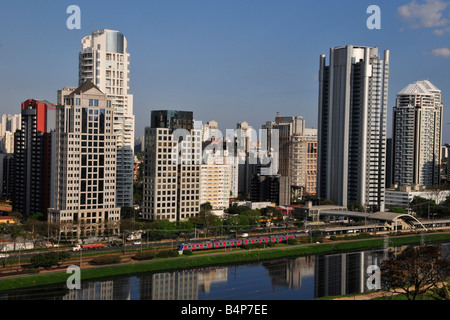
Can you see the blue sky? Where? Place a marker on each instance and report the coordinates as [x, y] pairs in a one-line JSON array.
[[228, 60]]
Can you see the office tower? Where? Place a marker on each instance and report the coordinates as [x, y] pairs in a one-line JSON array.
[[32, 158], [353, 93], [172, 166], [285, 127], [104, 60], [84, 201], [266, 188], [417, 135]]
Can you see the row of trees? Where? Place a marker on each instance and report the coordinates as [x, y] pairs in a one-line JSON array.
[[242, 219], [426, 208], [35, 227]]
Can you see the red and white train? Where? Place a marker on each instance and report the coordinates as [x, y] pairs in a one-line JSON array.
[[220, 244]]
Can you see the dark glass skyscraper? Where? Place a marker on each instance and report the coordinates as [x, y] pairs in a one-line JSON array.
[[172, 120], [32, 158]]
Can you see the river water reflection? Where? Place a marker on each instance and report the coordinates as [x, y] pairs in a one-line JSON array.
[[301, 278]]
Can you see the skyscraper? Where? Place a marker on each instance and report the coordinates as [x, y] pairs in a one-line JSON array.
[[417, 135], [84, 202], [172, 166], [353, 94], [104, 60], [32, 158]]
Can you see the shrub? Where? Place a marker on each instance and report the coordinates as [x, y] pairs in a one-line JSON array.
[[167, 254], [145, 255], [270, 244], [107, 259], [64, 255], [187, 252], [291, 241], [48, 259]]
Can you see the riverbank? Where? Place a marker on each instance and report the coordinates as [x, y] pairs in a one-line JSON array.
[[216, 258]]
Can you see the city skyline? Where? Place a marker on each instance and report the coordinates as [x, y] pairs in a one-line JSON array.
[[227, 62]]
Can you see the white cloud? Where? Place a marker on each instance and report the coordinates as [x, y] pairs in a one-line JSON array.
[[428, 15], [441, 32], [441, 52]]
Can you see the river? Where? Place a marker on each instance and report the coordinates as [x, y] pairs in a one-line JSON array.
[[301, 278]]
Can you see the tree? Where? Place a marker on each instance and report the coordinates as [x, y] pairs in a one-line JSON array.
[[206, 219], [398, 210], [235, 209], [17, 215], [272, 212], [138, 191], [48, 259], [415, 271], [423, 206], [356, 207], [37, 216], [35, 228], [253, 217]]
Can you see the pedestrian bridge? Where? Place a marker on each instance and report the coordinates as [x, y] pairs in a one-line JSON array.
[[391, 220]]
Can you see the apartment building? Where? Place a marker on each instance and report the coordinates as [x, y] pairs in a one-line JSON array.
[[417, 135]]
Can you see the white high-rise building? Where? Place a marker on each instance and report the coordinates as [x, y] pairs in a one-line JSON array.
[[84, 202], [10, 123], [215, 185], [303, 161], [353, 94], [211, 131], [417, 135], [220, 150], [105, 61]]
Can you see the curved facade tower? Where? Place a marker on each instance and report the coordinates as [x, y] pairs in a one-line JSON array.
[[104, 60]]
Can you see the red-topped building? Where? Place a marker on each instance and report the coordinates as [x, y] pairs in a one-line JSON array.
[[33, 158]]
